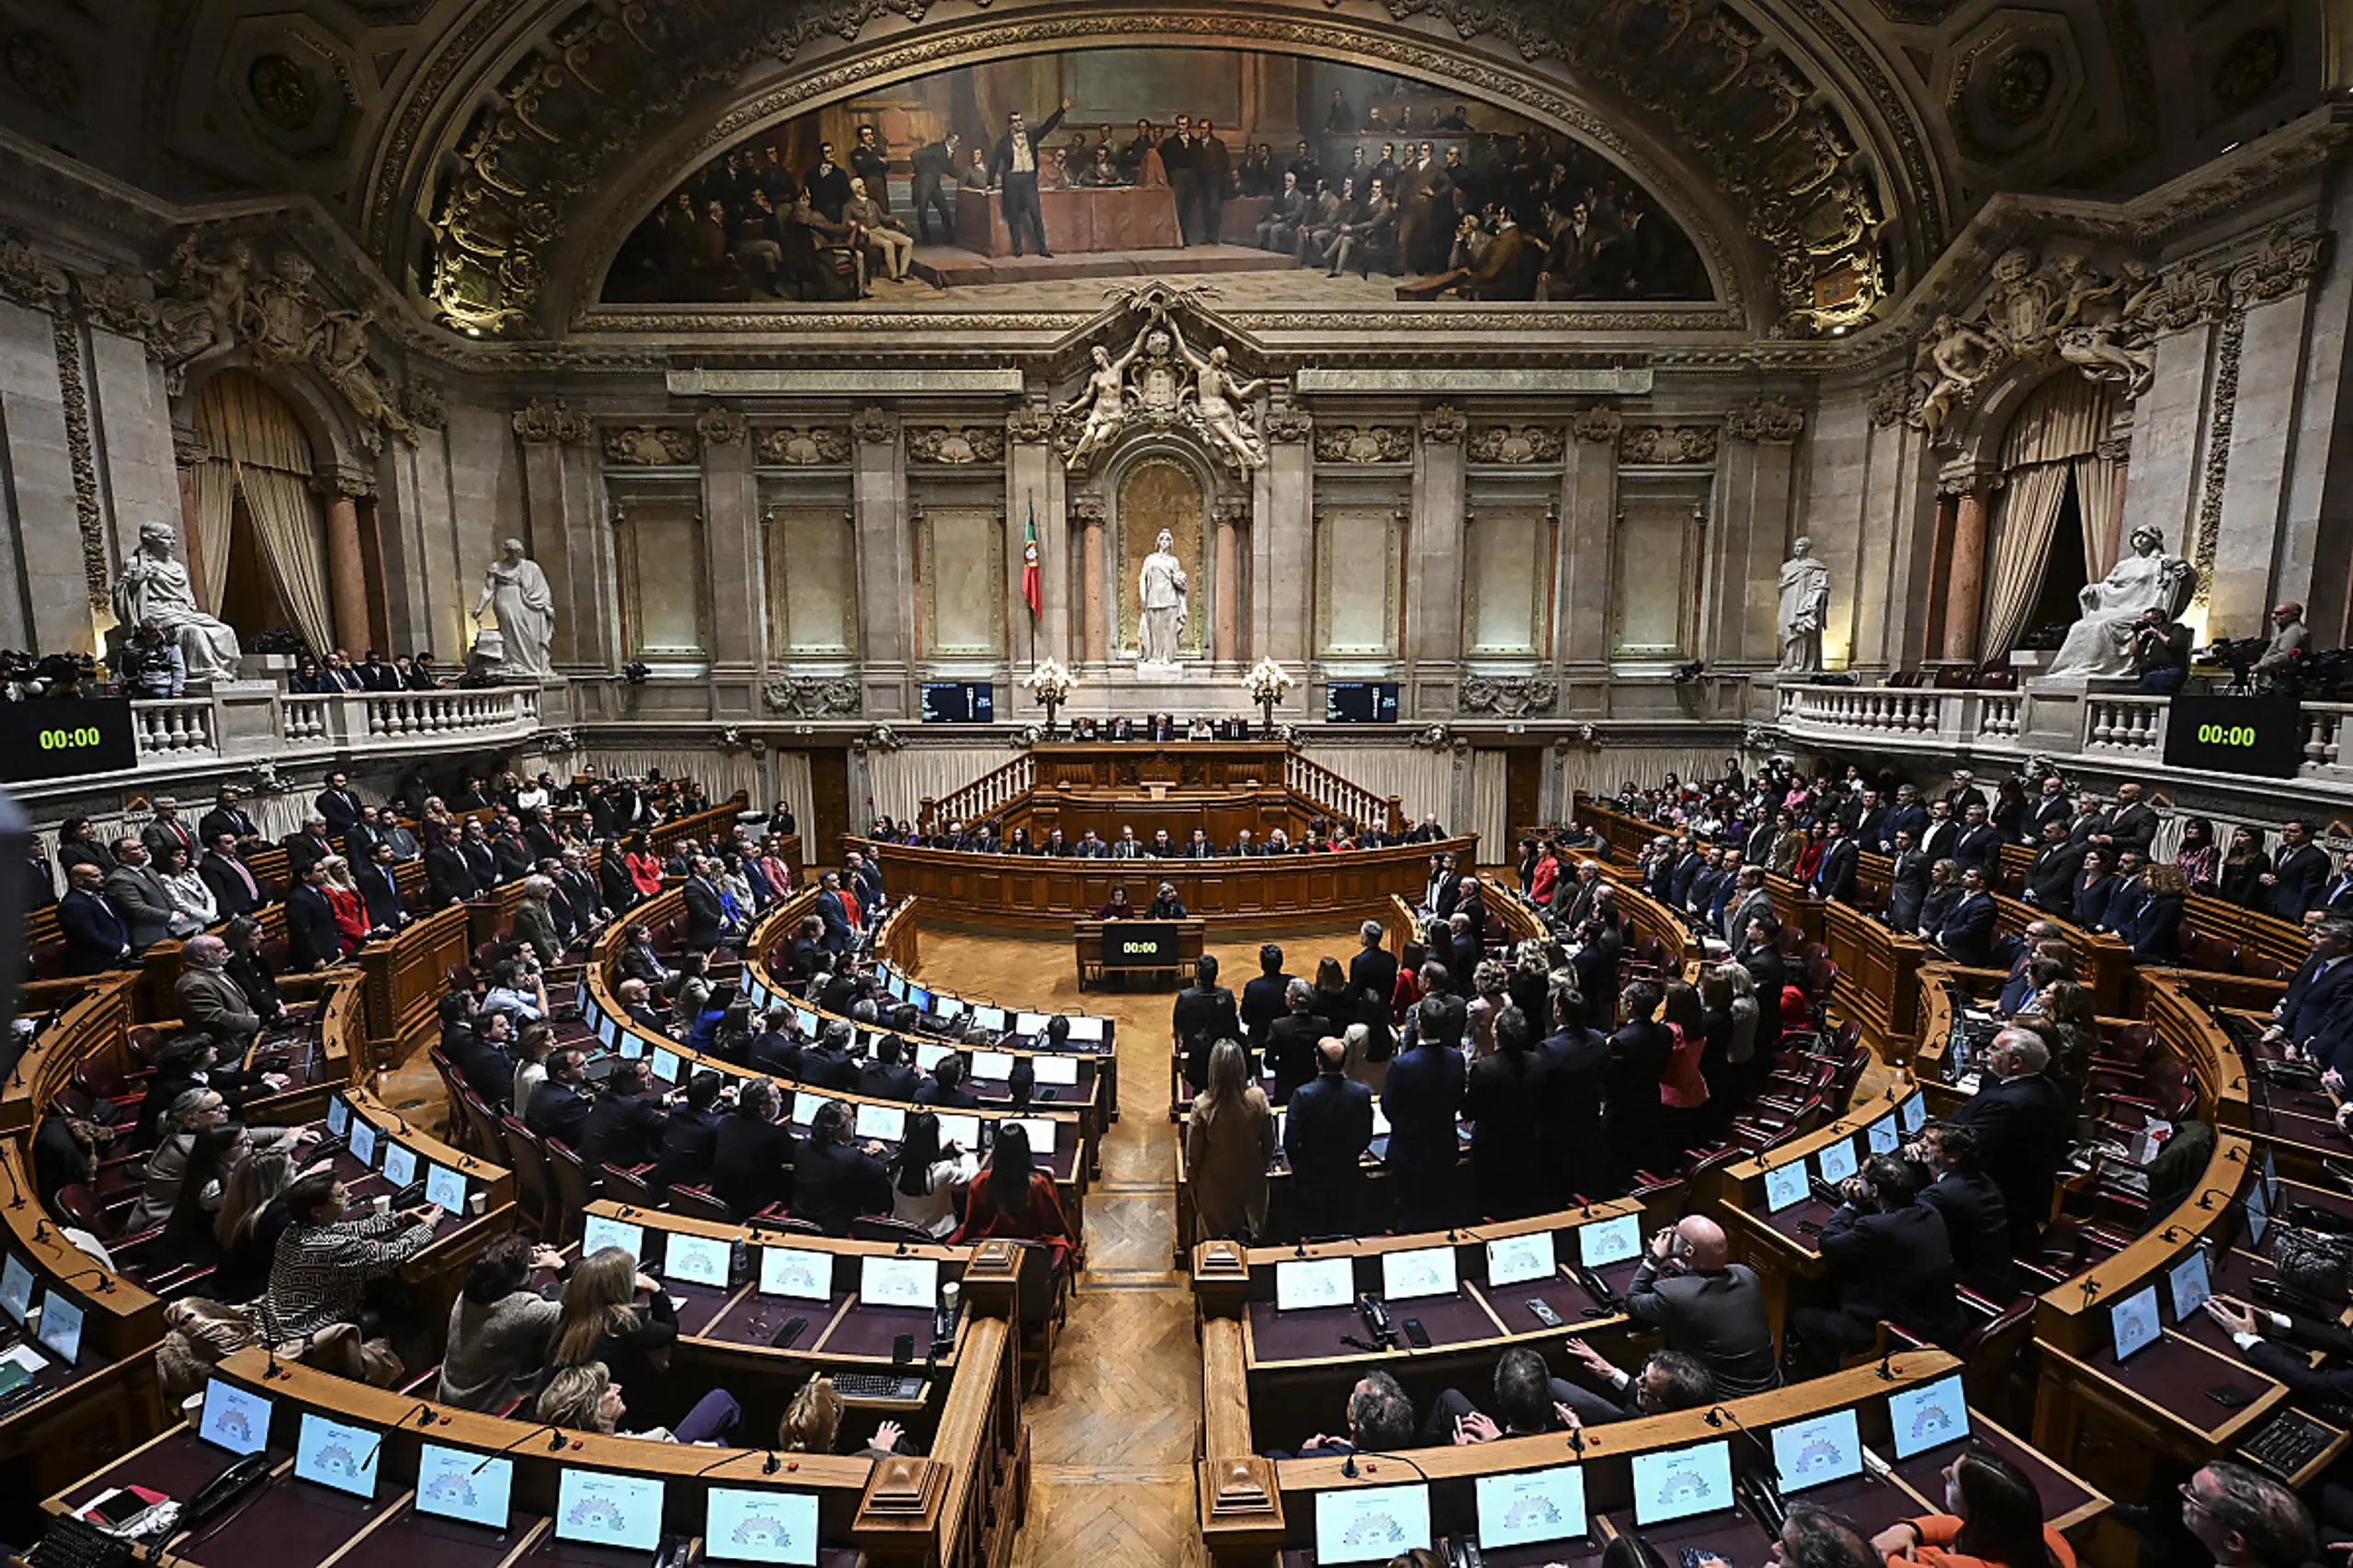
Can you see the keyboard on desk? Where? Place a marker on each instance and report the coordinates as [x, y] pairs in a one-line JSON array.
[[2290, 1443], [69, 1542], [878, 1387]]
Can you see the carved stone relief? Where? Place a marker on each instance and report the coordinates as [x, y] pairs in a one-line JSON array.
[[816, 696], [720, 426], [1364, 444], [537, 422], [954, 445], [1506, 697], [649, 445], [1668, 444], [1519, 444], [804, 445], [1772, 421]]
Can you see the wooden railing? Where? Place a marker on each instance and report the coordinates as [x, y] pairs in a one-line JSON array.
[[989, 792], [1343, 799]]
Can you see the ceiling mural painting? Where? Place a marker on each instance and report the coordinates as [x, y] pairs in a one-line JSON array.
[[1026, 183]]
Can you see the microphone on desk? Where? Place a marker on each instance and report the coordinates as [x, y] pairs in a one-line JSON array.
[[1348, 1465], [1886, 1367], [18, 1201], [556, 1447], [2173, 1234], [105, 1281], [2205, 1199], [2090, 1288]]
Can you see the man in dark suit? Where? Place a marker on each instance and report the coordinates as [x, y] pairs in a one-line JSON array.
[[839, 910], [167, 832], [2051, 879], [1907, 812], [1964, 792], [1263, 998], [379, 893], [1291, 1039], [624, 1126], [1327, 1128], [1576, 1062], [1759, 952], [1202, 1015], [690, 1136], [1421, 1097], [96, 939], [1638, 1053], [828, 1064], [2293, 884], [1748, 901], [308, 846], [1178, 161], [1707, 1306], [889, 1076], [2319, 984], [1941, 838], [480, 1050], [1372, 976], [2050, 805], [1976, 1220], [1885, 1255], [138, 895], [934, 164], [235, 890], [945, 1088], [1213, 173], [337, 805], [1907, 883], [447, 877], [1834, 876], [1600, 948], [2019, 984], [559, 1107], [312, 940], [2132, 825], [1014, 171], [706, 917], [228, 817], [1967, 934], [481, 859], [2335, 896], [1980, 844], [1866, 819], [2022, 1122]]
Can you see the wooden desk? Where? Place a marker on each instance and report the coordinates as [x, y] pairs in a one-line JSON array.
[[1230, 894], [1096, 963]]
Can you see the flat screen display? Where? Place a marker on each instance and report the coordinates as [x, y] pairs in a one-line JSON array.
[[1027, 1024], [1371, 1524], [1041, 1131], [2262, 735], [338, 1116], [666, 1065], [989, 1018], [1913, 1113], [233, 1419], [1826, 1447], [2187, 1283], [598, 1508], [744, 1526], [806, 1107], [363, 1142], [16, 1288], [446, 1187], [958, 703], [900, 1282], [332, 1454], [995, 1066], [597, 1232], [792, 1271], [930, 1053], [1605, 1241], [1515, 1260], [1531, 1507], [2258, 1215], [1835, 1160], [61, 1324], [887, 1122], [454, 1484], [66, 738], [1682, 1481], [1425, 1271], [1304, 1282], [2134, 1321], [1881, 1135], [400, 1164], [1086, 1030], [960, 1129], [1360, 702], [1059, 1071], [1786, 1186], [1927, 1415], [698, 1260]]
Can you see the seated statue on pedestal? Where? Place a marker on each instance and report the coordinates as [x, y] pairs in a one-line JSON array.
[[155, 586], [2101, 642]]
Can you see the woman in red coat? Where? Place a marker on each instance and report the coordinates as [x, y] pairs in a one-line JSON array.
[[1013, 1199]]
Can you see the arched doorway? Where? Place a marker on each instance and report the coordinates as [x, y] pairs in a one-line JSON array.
[[256, 537], [2056, 515]]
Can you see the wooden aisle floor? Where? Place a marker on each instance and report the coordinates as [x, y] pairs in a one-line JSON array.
[[1111, 1447]]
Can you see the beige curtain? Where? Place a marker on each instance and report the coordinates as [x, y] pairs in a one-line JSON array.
[[1600, 771], [1422, 779], [2099, 497], [720, 773], [2027, 516], [215, 487], [286, 522], [901, 780], [1489, 772]]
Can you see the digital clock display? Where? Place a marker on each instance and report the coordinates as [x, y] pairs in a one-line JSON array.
[[66, 738], [2262, 735]]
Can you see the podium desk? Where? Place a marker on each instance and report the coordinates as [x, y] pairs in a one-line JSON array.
[[1105, 948]]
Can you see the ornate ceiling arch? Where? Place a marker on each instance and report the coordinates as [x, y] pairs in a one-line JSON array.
[[504, 192]]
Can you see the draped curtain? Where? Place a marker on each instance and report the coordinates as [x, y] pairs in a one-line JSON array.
[[2100, 495], [722, 773], [254, 444], [1602, 771], [899, 782], [2053, 438], [1422, 779], [1489, 810]]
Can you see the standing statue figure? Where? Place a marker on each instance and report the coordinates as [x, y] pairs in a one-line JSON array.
[[155, 586], [1161, 625], [1805, 603], [2101, 642], [1105, 402], [516, 590], [1219, 400]]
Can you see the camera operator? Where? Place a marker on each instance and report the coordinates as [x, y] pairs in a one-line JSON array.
[[2160, 653], [152, 665], [2289, 642]]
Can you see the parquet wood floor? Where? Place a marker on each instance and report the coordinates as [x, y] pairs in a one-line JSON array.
[[1112, 1477]]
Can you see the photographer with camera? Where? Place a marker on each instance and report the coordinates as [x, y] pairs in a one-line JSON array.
[[2160, 653], [152, 665]]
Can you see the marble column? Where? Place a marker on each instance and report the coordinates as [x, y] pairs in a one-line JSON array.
[[1965, 587], [731, 532], [1282, 607], [1033, 489], [1434, 570], [46, 601], [1758, 460], [885, 587], [1088, 511], [566, 535], [346, 569], [1228, 616], [1588, 516]]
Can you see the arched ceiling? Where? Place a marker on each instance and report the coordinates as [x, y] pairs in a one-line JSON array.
[[485, 153]]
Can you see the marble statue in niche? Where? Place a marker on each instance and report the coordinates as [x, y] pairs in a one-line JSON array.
[[155, 586], [1805, 601], [515, 592], [1161, 592], [2100, 645]]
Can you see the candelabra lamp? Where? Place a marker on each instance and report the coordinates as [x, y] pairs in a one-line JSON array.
[[1051, 685], [1267, 683]]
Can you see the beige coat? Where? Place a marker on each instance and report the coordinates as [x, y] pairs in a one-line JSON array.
[[1226, 1155]]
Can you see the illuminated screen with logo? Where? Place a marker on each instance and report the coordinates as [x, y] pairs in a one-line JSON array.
[[66, 738], [2262, 735], [1360, 702], [1139, 944], [958, 703]]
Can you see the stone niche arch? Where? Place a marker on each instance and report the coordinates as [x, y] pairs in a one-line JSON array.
[[1154, 480]]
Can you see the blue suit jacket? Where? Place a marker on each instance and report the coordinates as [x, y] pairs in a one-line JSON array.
[[1421, 1095], [2304, 1010], [1967, 936], [95, 934]]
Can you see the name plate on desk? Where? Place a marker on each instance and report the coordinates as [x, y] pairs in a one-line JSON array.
[[1139, 944]]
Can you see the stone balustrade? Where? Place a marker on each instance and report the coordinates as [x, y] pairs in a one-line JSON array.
[[258, 720]]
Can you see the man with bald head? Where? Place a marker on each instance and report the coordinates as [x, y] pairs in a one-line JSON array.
[[2023, 1122], [1707, 1307]]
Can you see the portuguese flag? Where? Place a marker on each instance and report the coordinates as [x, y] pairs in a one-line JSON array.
[[1029, 590]]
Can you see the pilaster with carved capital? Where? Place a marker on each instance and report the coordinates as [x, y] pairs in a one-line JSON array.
[[537, 423]]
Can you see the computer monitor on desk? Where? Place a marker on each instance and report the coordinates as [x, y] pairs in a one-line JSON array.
[[1371, 1524], [1928, 1415], [1535, 1507], [598, 1508], [741, 1525], [1680, 1482], [452, 1483]]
